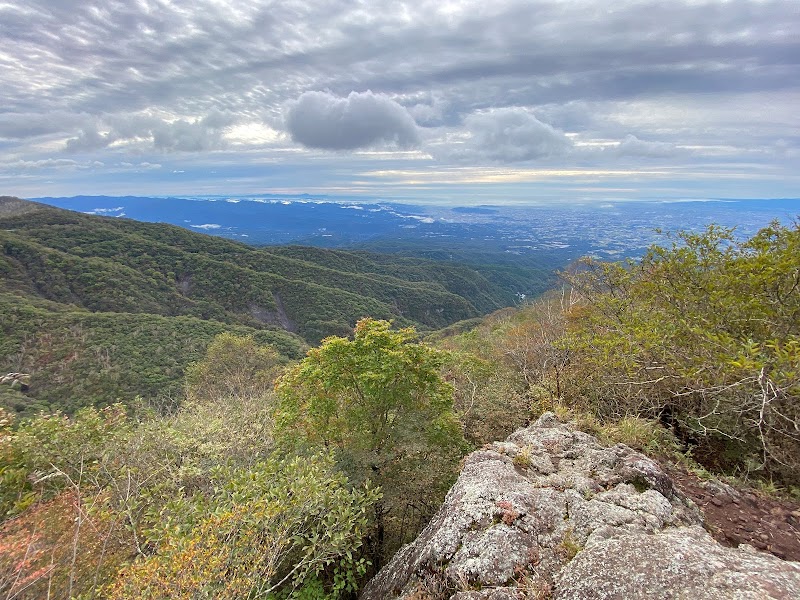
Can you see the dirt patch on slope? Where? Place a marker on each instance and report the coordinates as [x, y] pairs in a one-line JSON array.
[[744, 516]]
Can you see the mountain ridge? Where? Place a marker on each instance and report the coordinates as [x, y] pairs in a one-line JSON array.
[[61, 270]]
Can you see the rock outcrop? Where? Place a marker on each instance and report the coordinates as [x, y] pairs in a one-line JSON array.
[[553, 513]]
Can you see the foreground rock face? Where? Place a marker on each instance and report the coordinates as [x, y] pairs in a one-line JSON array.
[[677, 563], [552, 513]]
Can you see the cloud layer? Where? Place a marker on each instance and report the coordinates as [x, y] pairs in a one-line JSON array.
[[228, 87]]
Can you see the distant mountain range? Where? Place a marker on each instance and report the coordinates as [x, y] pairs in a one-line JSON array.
[[538, 236]]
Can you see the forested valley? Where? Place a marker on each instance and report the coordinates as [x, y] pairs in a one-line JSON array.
[[193, 418]]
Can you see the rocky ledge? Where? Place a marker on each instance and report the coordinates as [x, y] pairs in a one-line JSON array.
[[551, 513]]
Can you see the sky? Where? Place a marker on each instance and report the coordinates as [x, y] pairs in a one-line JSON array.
[[450, 101]]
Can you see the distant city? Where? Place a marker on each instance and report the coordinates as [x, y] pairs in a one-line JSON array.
[[548, 234]]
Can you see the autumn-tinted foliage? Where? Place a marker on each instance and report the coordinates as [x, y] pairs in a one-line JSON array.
[[196, 504], [278, 526], [703, 334]]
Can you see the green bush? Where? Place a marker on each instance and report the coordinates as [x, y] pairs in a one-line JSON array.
[[702, 335]]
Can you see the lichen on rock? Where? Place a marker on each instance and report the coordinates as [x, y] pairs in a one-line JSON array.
[[683, 562], [529, 516]]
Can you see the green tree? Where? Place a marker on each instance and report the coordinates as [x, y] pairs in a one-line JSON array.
[[54, 480], [277, 527], [48, 454], [703, 334], [379, 401], [234, 366]]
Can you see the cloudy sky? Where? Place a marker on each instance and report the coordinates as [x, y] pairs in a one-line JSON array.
[[449, 101]]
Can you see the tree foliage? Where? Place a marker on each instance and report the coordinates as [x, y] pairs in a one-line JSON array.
[[78, 358], [233, 367], [510, 367], [374, 395], [275, 527], [379, 401], [703, 334], [201, 489]]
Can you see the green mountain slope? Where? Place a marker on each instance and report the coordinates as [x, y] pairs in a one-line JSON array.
[[81, 358], [99, 308], [113, 264]]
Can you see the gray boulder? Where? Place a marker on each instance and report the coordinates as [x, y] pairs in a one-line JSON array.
[[677, 563], [551, 507]]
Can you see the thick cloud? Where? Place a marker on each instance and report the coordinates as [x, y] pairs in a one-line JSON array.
[[322, 120], [507, 135], [21, 126], [90, 139], [192, 136]]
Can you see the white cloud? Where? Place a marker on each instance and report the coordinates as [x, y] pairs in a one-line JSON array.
[[206, 226], [102, 211], [633, 146], [49, 163], [192, 136], [506, 135]]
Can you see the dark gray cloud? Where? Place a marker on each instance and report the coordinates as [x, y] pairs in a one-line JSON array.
[[20, 126], [192, 136], [322, 120], [89, 139], [180, 135]]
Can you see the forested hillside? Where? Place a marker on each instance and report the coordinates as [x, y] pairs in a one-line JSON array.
[[700, 340], [96, 308], [289, 479]]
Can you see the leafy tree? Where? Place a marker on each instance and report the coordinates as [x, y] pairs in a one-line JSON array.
[[379, 401], [704, 335], [54, 479], [509, 367], [279, 526], [233, 367], [489, 397], [51, 453]]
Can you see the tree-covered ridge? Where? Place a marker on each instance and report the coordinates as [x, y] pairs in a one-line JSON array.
[[162, 269], [98, 309], [81, 358]]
